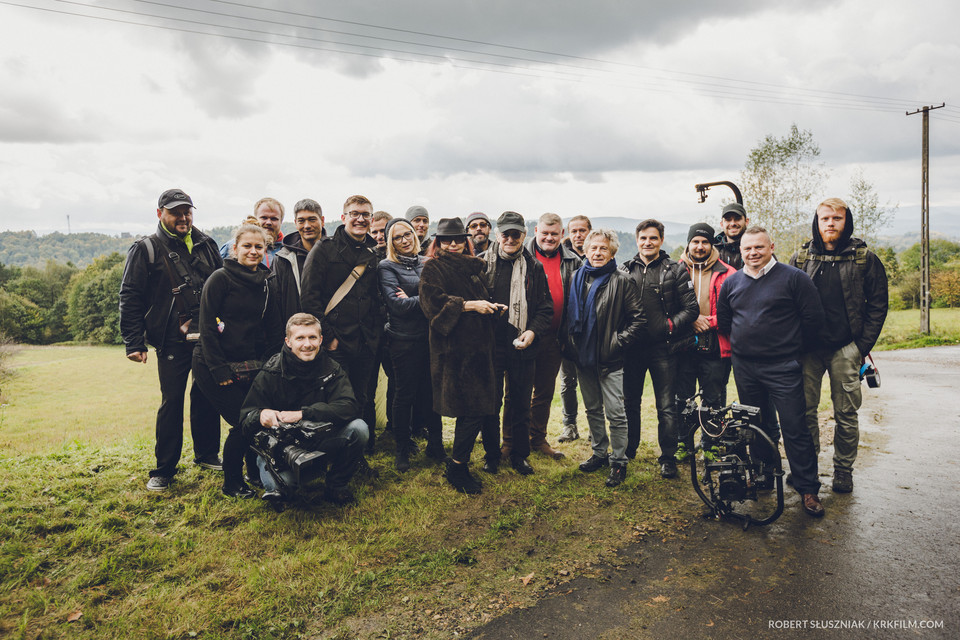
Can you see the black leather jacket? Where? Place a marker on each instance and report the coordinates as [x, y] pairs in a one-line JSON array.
[[619, 321], [148, 313], [672, 322]]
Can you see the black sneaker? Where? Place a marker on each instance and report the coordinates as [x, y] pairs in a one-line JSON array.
[[618, 473], [594, 463], [158, 483], [238, 490], [212, 462], [668, 469]]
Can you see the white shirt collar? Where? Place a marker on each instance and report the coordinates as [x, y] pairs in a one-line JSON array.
[[764, 271]]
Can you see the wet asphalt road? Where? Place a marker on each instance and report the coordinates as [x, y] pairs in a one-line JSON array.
[[882, 562]]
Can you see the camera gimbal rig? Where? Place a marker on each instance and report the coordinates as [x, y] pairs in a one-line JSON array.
[[739, 459]]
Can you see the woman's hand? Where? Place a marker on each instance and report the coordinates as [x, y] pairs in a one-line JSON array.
[[484, 306], [401, 294]]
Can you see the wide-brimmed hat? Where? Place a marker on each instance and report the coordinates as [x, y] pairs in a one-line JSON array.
[[450, 228]]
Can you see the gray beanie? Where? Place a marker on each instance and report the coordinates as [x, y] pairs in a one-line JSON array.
[[415, 212]]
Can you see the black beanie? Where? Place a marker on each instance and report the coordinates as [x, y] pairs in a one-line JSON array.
[[701, 229]]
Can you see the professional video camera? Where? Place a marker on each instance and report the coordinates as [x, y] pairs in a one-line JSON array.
[[290, 454], [738, 462]]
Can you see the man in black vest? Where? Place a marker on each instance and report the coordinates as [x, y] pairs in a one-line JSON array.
[[160, 306]]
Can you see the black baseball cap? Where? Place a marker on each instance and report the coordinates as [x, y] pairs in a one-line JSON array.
[[172, 198], [734, 209]]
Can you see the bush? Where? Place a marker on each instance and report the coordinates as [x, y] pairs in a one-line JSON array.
[[93, 301]]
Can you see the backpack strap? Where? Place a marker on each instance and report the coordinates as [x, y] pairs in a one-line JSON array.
[[802, 256]]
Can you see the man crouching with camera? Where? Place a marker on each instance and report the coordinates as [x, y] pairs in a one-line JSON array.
[[302, 417]]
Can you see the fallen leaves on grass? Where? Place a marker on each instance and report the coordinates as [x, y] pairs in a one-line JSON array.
[[527, 579], [73, 617]]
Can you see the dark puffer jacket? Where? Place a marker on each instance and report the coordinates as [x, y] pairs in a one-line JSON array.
[[670, 323], [319, 388], [287, 266], [862, 279], [405, 319], [148, 313], [461, 342], [619, 321]]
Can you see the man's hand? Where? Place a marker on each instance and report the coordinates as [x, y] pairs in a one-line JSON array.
[[290, 417], [701, 324], [270, 418], [525, 340], [333, 344], [138, 356], [484, 306]]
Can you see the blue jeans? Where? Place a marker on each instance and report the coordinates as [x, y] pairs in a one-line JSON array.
[[343, 449]]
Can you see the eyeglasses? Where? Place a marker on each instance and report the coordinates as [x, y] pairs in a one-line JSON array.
[[513, 234], [363, 215], [403, 236], [473, 226]]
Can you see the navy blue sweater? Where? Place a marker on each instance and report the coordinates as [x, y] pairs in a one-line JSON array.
[[769, 319]]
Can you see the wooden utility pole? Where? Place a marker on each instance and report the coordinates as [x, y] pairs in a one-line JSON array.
[[925, 220]]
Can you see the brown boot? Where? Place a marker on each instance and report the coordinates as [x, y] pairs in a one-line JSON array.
[[547, 450]]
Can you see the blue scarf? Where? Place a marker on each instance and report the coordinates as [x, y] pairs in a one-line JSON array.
[[582, 311]]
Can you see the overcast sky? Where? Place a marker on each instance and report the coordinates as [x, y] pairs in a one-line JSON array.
[[608, 107]]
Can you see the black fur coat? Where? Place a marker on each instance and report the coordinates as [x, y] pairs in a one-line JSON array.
[[461, 342]]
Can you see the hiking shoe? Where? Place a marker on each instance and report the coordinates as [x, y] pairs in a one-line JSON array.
[[682, 454], [209, 462], [618, 473], [842, 480], [458, 475], [158, 483], [569, 434], [668, 469], [594, 463]]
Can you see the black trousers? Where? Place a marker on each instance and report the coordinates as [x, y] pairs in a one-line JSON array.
[[173, 368], [707, 369], [465, 436], [413, 401], [663, 370], [514, 378], [358, 365], [228, 399]]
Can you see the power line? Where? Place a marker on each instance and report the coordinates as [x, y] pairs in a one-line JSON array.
[[708, 89]]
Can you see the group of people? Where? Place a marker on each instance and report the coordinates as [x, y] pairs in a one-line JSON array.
[[474, 324]]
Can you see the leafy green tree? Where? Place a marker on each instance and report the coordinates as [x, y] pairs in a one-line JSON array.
[[942, 251], [868, 216], [888, 256], [93, 307], [779, 182], [45, 288], [8, 273], [20, 319]]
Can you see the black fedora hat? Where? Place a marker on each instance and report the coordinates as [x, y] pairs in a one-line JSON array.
[[450, 228]]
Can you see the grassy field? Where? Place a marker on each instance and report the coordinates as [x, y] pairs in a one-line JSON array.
[[902, 329], [87, 552]]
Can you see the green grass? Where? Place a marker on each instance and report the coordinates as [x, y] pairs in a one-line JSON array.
[[902, 329], [79, 534]]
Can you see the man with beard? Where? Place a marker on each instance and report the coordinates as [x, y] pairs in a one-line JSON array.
[[378, 232], [289, 260], [478, 226], [160, 305], [340, 288], [852, 285], [577, 229], [420, 220], [733, 222], [705, 361]]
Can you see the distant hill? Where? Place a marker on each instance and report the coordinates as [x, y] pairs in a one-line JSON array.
[[27, 249]]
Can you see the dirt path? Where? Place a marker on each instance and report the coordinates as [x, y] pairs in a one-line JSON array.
[[883, 563]]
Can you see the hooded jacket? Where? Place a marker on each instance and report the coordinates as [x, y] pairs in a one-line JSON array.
[[729, 250], [719, 272], [863, 281], [148, 312], [288, 267]]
